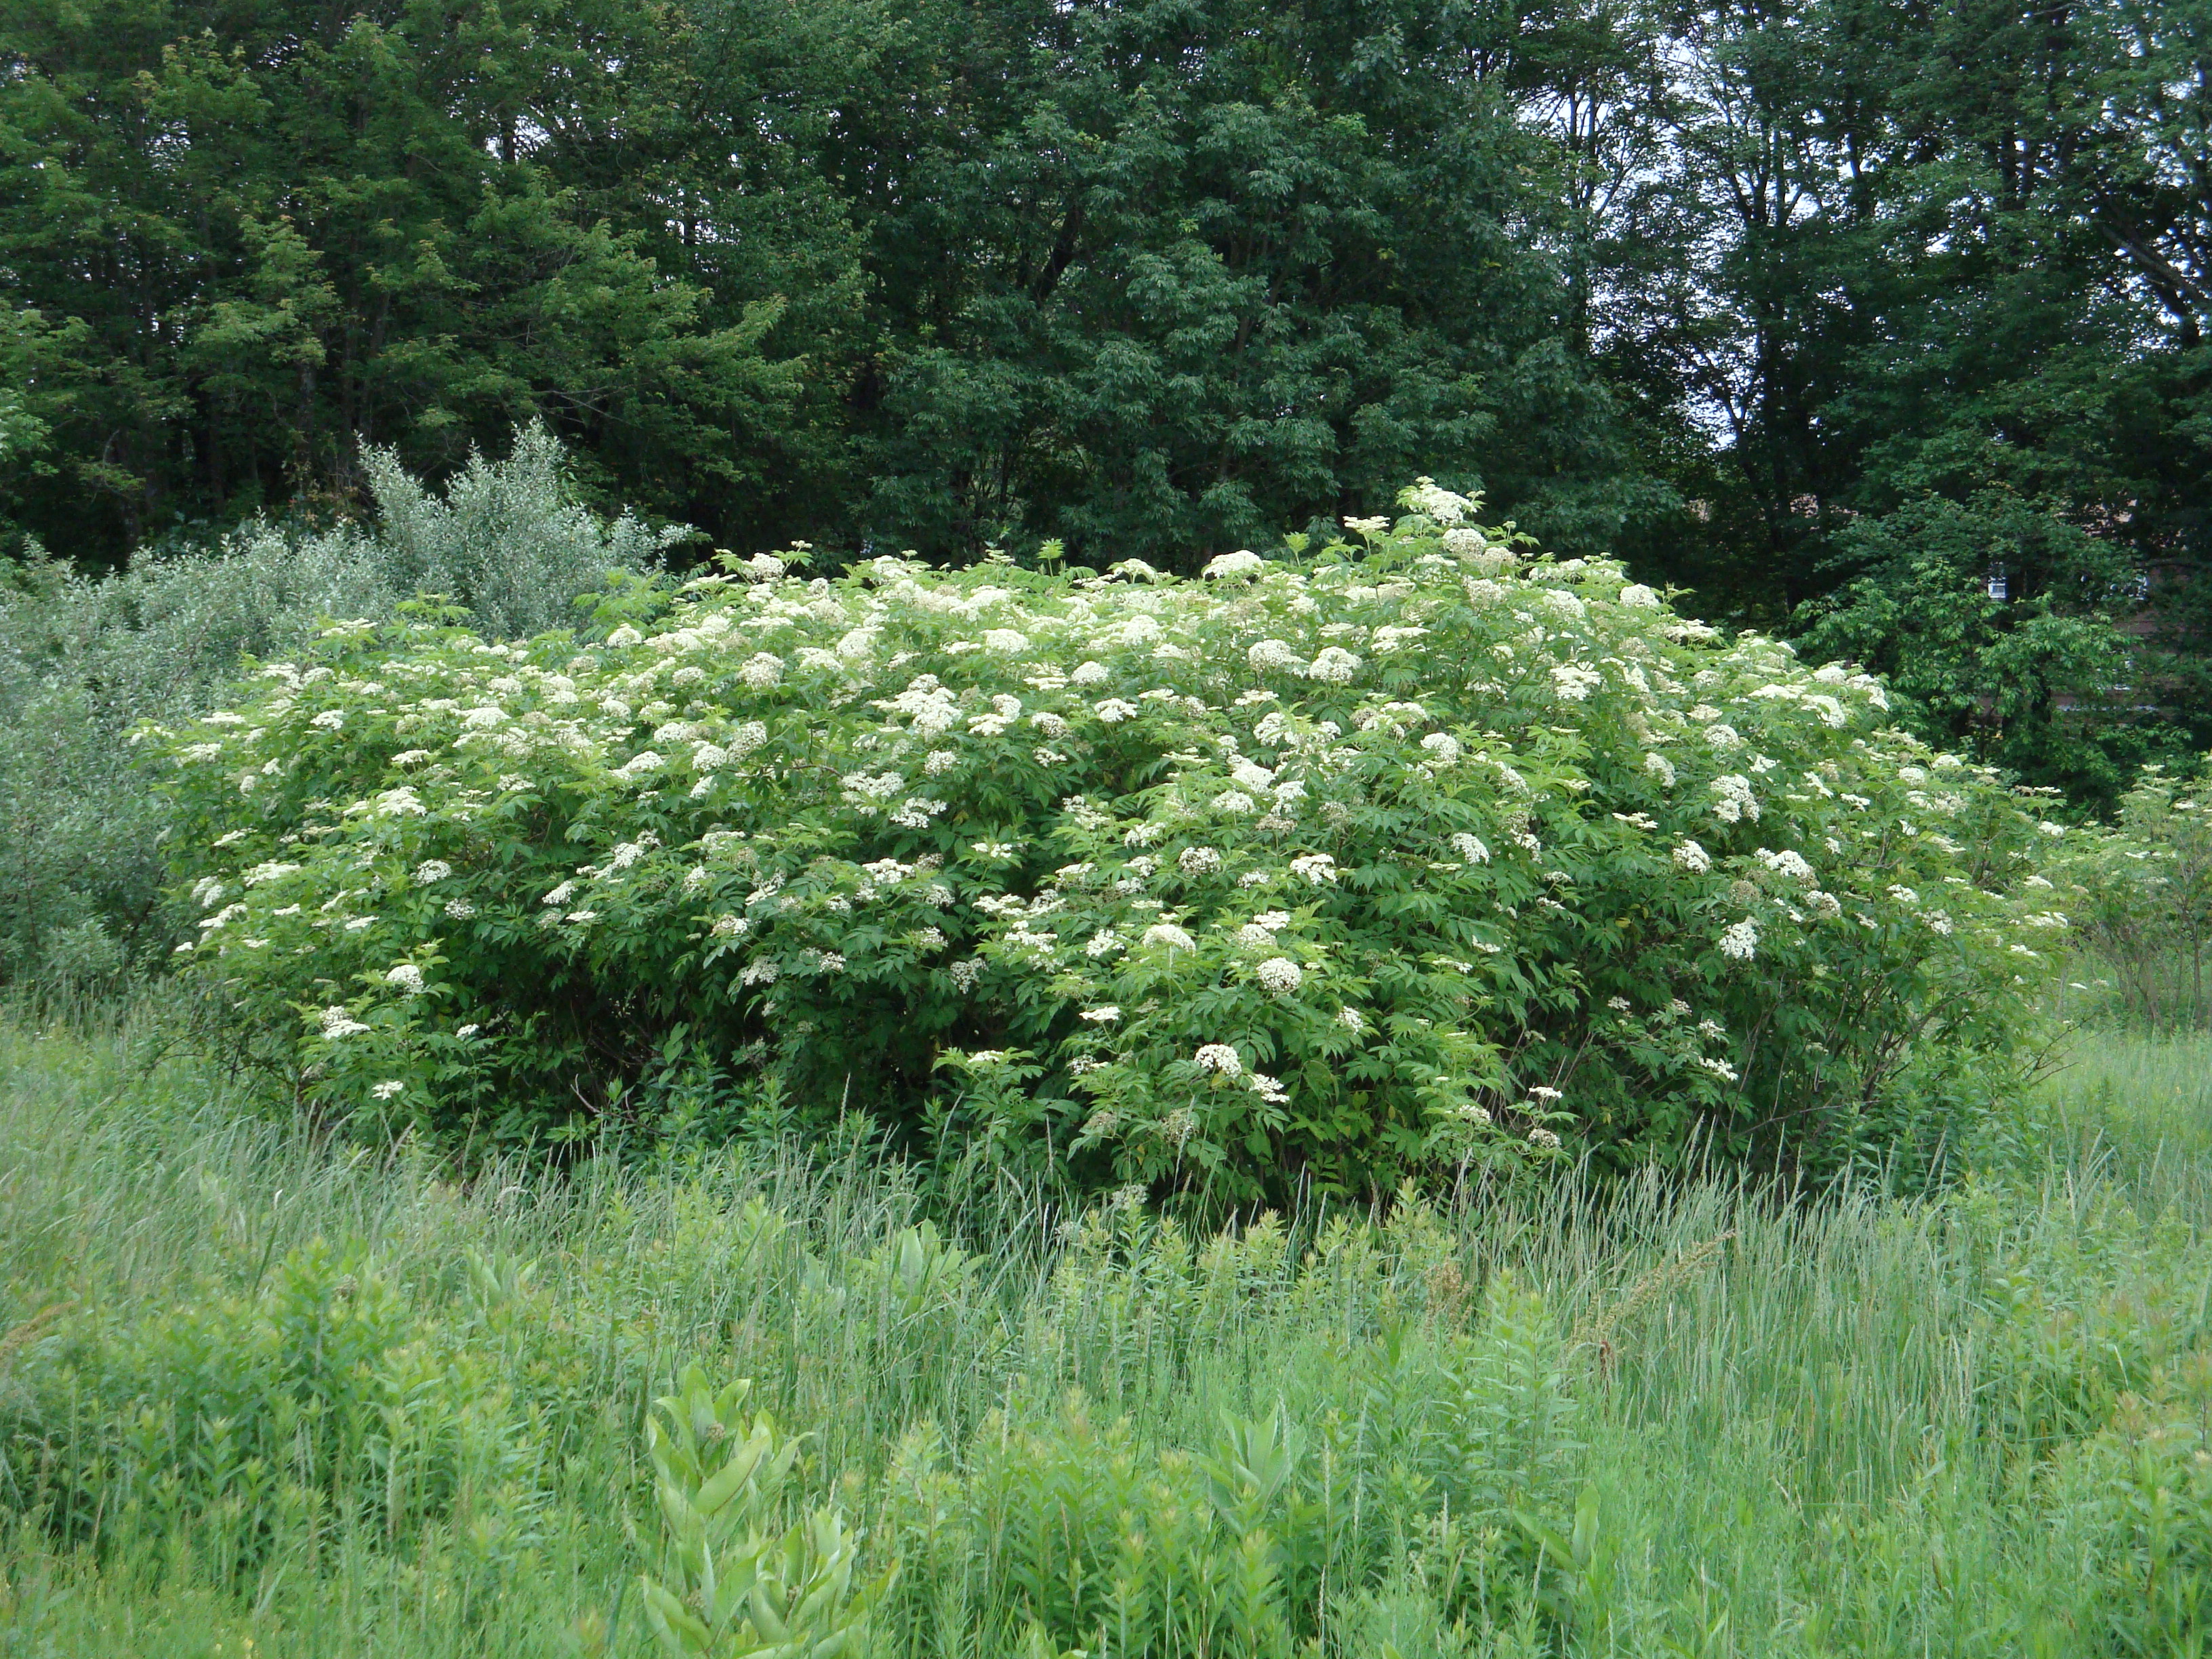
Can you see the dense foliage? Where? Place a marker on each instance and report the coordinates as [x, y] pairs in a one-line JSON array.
[[2139, 893], [1169, 275], [1758, 297], [83, 659], [261, 1394], [1400, 853]]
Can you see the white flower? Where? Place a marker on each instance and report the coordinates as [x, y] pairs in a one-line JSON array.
[[762, 671], [1539, 1136], [468, 1030], [1542, 1091], [407, 977], [1636, 594], [862, 787], [1319, 868], [1280, 975], [330, 719], [400, 803], [1219, 1057], [339, 1023], [1167, 933], [385, 1090], [560, 894], [1351, 1019], [1088, 674], [1572, 683], [485, 716], [1334, 665], [431, 871], [1444, 746], [1428, 496], [460, 909], [1274, 655], [1734, 800], [1720, 1068], [1786, 863], [1470, 849], [1367, 526], [1693, 858], [1268, 1089], [639, 764], [1105, 1014], [1114, 710], [625, 636], [1103, 943], [267, 872], [1006, 641], [1242, 563], [1740, 941], [1233, 800], [1904, 894], [410, 758], [1198, 860]]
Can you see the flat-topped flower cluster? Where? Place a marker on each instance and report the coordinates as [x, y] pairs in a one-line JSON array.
[[1411, 851]]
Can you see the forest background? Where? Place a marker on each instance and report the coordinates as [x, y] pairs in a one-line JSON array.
[[1877, 325]]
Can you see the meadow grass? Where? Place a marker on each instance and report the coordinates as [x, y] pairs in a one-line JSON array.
[[260, 1394]]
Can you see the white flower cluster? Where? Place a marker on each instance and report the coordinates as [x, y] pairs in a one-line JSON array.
[[1740, 941]]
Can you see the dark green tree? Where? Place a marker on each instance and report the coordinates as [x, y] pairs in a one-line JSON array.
[[1161, 279], [245, 240]]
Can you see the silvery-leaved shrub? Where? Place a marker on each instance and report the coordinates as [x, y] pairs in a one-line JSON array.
[[82, 659], [1411, 853]]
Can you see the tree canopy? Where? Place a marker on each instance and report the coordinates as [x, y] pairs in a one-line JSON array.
[[1849, 316]]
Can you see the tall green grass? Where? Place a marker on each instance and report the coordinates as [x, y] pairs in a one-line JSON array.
[[264, 1395]]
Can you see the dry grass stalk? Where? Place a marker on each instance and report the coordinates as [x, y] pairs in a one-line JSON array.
[[14, 1341], [1597, 1329]]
